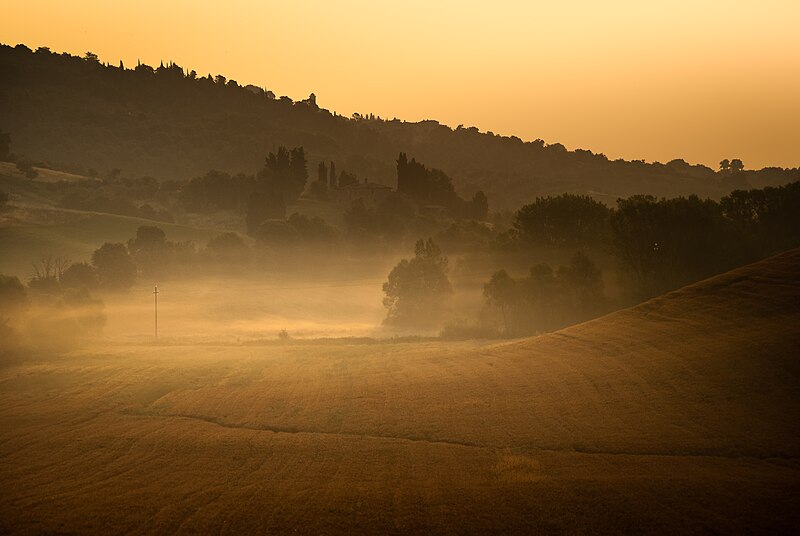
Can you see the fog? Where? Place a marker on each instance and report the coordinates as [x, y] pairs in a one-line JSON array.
[[234, 309]]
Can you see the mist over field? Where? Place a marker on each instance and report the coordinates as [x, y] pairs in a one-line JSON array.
[[228, 311]]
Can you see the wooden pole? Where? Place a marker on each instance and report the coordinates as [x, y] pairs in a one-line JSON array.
[[155, 303]]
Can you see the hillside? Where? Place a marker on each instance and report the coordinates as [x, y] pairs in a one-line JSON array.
[[678, 415], [78, 114]]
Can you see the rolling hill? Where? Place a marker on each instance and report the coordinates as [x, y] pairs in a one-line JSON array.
[[171, 123], [678, 415]]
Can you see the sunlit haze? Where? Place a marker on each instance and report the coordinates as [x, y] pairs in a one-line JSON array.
[[654, 80]]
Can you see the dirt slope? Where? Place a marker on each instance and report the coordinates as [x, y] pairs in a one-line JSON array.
[[677, 415]]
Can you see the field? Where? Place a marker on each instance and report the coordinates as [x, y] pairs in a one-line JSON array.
[[679, 415]]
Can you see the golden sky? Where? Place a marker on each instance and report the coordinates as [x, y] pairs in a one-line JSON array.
[[700, 80]]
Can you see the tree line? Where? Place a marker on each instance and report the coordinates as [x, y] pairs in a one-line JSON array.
[[169, 122], [659, 245]]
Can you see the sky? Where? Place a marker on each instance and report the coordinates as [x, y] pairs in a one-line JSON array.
[[700, 80]]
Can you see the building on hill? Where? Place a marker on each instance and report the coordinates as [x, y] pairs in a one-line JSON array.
[[371, 193]]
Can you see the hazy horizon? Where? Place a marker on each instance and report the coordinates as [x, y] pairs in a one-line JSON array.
[[653, 82]]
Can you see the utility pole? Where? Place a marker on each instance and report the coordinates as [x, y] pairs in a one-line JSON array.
[[155, 303]]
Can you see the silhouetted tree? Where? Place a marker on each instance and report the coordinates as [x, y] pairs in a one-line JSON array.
[[332, 181], [418, 289], [736, 165], [765, 220], [286, 172], [543, 298], [312, 230], [386, 221], [114, 266], [229, 249], [217, 190], [547, 300], [319, 188], [434, 187], [47, 273], [478, 207], [79, 275], [502, 292], [583, 286], [724, 165], [667, 243], [151, 251], [567, 220]]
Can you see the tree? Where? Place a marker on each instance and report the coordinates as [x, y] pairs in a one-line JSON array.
[[766, 221], [386, 220], [319, 188], [216, 190], [478, 207], [501, 291], [637, 227], [736, 165], [583, 285], [565, 220], [542, 295], [724, 165], [426, 186], [286, 172], [47, 273], [312, 230], [298, 171], [150, 250], [79, 275], [667, 243], [228, 248], [332, 182], [417, 290], [115, 268]]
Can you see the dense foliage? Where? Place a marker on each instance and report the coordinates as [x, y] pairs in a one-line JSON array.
[[418, 289]]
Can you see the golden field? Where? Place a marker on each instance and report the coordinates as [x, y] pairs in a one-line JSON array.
[[678, 415]]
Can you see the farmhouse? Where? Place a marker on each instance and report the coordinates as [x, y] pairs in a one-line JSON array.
[[371, 193]]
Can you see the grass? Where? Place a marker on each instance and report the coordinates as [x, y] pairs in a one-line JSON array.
[[675, 416]]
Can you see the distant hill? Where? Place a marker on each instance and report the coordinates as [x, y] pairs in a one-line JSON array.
[[76, 114]]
